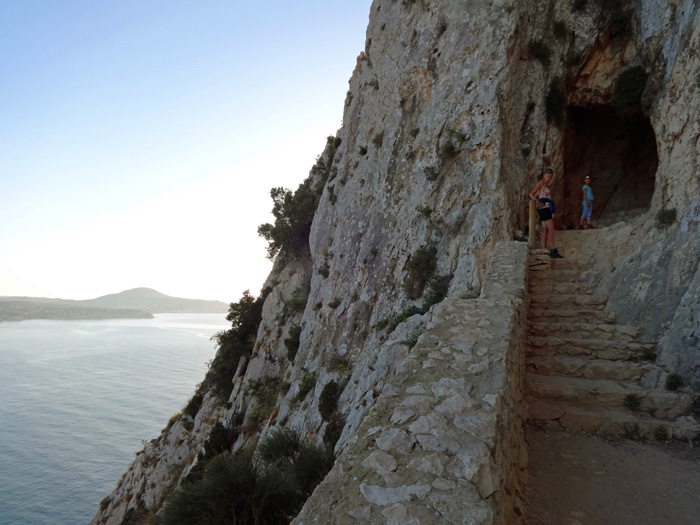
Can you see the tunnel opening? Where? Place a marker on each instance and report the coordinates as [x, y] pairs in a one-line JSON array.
[[618, 151]]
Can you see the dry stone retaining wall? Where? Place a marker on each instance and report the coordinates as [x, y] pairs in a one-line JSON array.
[[444, 442]]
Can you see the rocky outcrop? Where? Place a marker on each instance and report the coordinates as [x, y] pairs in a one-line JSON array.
[[452, 111]]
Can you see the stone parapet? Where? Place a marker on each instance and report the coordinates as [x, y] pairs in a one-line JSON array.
[[444, 441]]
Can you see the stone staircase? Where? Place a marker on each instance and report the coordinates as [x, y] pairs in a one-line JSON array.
[[586, 372]]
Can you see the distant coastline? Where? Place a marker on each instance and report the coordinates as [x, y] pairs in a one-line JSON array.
[[138, 303]]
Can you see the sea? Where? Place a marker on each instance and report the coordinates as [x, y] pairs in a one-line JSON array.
[[78, 399]]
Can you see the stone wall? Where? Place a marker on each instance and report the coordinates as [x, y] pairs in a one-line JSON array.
[[443, 442]]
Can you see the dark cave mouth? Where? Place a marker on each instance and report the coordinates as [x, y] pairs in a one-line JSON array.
[[618, 150]]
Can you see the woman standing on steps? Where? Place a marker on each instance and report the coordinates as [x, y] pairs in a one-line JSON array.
[[541, 194]]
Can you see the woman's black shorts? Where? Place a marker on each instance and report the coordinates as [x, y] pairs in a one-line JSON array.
[[545, 214]]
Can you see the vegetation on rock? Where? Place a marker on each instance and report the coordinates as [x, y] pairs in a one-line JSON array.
[[234, 343], [294, 211], [328, 401], [248, 488], [421, 267]]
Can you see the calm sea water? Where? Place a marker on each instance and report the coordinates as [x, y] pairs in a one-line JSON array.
[[77, 398]]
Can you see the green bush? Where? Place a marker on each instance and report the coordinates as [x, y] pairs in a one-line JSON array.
[[294, 213], [306, 464], [412, 338], [307, 383], [265, 389], [664, 218], [193, 406], [220, 440], [437, 291], [295, 305], [334, 430], [239, 488], [292, 342], [234, 343], [629, 87], [674, 382], [381, 325], [540, 50], [555, 102], [323, 168], [408, 312], [421, 267], [339, 364], [328, 401]]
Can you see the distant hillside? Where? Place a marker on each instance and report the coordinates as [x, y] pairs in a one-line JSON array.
[[155, 302], [138, 303]]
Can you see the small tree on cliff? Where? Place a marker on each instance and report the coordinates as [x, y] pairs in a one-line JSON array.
[[237, 341]]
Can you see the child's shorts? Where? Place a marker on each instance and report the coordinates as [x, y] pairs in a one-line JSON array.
[[586, 211]]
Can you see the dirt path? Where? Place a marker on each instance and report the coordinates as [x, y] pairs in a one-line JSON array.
[[577, 479]]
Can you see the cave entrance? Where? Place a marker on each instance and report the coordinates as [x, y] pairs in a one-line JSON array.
[[618, 151]]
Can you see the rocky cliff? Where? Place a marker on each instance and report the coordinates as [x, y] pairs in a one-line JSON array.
[[453, 110]]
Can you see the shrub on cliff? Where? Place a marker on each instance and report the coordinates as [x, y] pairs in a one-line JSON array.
[[220, 440], [293, 213], [238, 341], [421, 267], [269, 487], [328, 401]]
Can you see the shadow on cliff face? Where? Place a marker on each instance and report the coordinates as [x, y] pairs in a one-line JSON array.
[[618, 151]]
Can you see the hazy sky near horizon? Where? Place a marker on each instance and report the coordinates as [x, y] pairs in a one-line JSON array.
[[139, 140]]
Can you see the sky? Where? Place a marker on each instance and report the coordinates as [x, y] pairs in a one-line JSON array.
[[139, 140]]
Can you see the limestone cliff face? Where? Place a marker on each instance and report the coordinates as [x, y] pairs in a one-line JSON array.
[[453, 110]]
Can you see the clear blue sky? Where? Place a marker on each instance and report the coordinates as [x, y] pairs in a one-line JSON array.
[[139, 139]]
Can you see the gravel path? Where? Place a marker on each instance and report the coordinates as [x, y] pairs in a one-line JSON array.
[[577, 479]]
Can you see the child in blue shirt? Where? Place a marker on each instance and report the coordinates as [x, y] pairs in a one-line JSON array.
[[587, 204]]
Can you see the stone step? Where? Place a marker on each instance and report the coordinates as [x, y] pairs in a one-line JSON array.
[[596, 394], [563, 276], [620, 423], [538, 313], [576, 366], [543, 261], [551, 286], [558, 300], [574, 328], [571, 344]]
